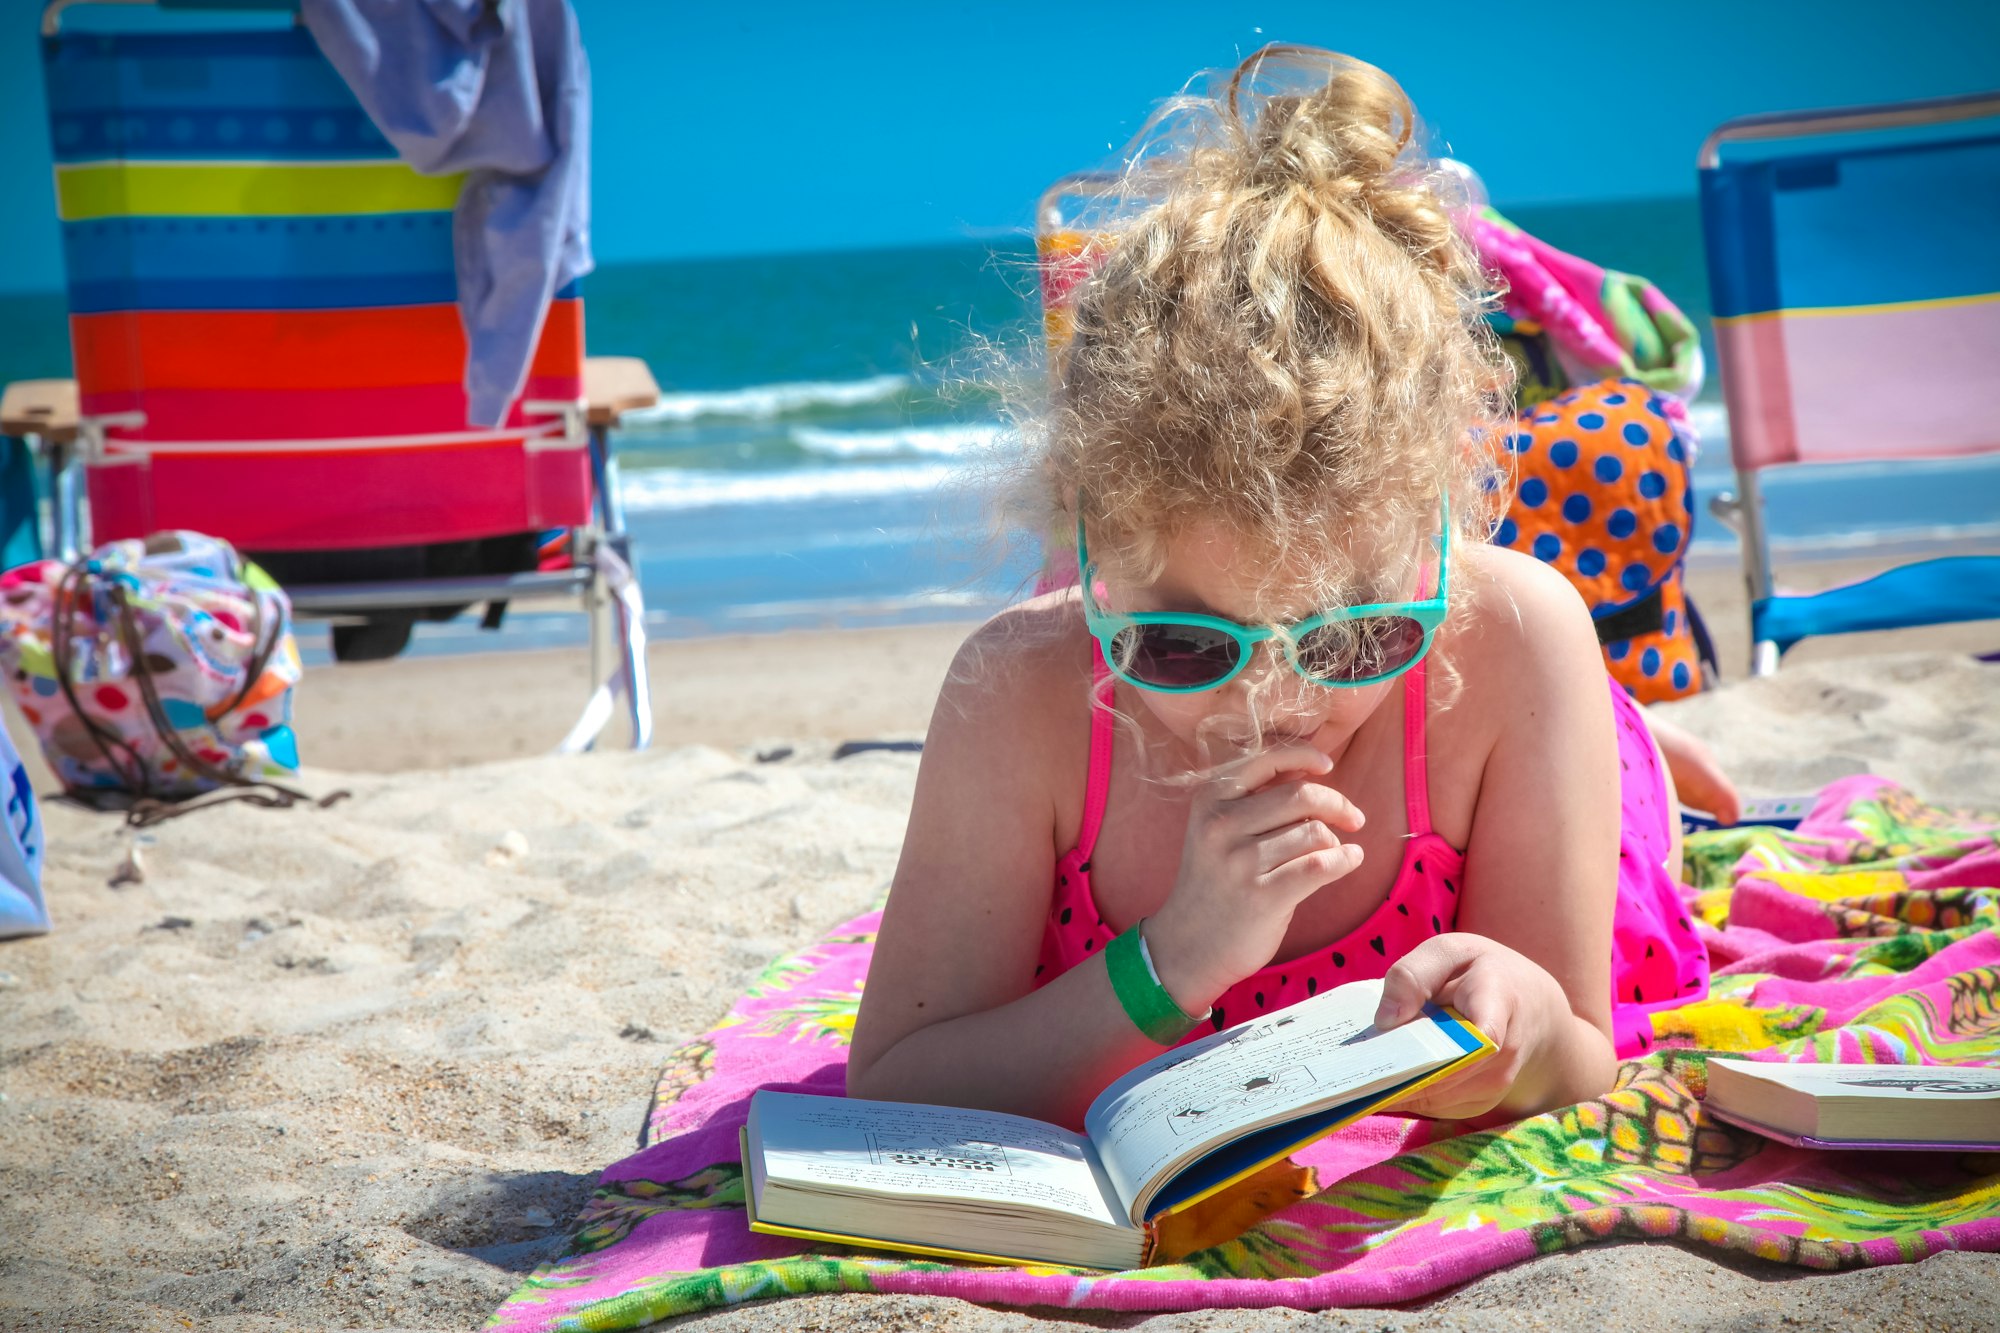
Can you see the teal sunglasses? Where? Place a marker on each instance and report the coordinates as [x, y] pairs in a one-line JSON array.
[[1179, 652]]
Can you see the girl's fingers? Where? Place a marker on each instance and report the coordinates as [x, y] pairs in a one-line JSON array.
[[1421, 976], [1288, 844], [1302, 876], [1288, 803], [1241, 777]]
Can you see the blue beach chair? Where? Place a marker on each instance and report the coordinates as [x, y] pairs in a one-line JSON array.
[[1854, 266]]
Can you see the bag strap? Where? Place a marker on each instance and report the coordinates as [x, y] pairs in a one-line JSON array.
[[148, 810], [71, 590]]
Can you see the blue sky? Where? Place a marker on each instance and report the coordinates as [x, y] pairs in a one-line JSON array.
[[752, 128]]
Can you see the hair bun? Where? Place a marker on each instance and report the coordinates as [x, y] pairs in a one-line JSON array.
[[1318, 119], [1296, 118]]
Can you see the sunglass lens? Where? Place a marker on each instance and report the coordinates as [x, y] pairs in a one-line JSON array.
[[1354, 650], [1175, 657]]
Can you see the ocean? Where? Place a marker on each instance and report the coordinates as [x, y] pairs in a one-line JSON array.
[[820, 453]]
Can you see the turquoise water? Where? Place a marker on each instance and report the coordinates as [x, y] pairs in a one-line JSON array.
[[817, 457]]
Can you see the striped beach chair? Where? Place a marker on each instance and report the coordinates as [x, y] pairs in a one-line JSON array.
[[267, 348], [1854, 266]]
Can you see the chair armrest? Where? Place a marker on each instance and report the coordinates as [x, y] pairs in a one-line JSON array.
[[615, 385], [40, 407]]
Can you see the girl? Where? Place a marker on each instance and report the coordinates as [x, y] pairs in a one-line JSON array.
[[1298, 724]]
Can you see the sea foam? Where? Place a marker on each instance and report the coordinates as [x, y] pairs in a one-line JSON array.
[[660, 489], [764, 401], [949, 441]]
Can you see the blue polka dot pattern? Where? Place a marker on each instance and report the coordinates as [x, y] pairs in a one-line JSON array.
[[1649, 661], [1682, 676], [1618, 651], [1675, 451], [1590, 497]]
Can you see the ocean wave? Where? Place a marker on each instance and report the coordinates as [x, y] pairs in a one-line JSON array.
[[658, 489], [955, 441], [763, 401]]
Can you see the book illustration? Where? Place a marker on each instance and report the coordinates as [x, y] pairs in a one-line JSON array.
[[935, 1153], [1241, 1094], [1191, 1056], [1916, 1084]]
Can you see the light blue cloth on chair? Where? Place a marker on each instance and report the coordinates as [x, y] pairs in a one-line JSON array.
[[498, 89]]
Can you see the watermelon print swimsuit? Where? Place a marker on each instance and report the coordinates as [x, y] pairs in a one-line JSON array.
[[1657, 960]]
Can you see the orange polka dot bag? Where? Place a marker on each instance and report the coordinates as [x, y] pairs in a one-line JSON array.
[[159, 669], [1602, 492]]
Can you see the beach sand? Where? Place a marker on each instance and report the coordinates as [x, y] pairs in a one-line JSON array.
[[358, 1067]]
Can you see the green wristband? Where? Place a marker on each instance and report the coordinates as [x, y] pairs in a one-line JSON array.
[[1145, 1001]]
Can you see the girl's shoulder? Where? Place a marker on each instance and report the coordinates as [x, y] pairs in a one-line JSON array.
[[1521, 636], [1017, 696], [1030, 653]]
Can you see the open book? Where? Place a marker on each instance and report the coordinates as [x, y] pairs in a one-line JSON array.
[[1000, 1188], [1951, 1107]]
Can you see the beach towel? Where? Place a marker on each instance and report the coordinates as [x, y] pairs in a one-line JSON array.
[[1869, 933], [1567, 321]]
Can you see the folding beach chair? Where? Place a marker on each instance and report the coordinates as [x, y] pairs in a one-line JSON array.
[[1855, 276], [267, 348]]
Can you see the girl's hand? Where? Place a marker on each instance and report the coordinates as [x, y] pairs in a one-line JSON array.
[[1698, 779], [1261, 838], [1502, 993]]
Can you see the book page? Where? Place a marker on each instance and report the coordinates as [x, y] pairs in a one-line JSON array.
[[1321, 1052], [933, 1152]]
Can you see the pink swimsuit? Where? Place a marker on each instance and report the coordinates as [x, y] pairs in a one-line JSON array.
[[1657, 961]]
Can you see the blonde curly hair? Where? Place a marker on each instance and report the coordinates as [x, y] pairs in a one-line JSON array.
[[1280, 329]]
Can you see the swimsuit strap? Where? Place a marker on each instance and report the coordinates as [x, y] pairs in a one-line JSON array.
[[1416, 777], [1098, 784]]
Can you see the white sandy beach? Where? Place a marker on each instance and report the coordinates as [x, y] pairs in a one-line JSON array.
[[358, 1067]]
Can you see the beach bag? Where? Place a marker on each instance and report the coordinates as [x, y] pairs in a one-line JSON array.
[[23, 911], [1602, 491], [154, 672]]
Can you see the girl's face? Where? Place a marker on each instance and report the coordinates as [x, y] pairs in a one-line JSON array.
[[1210, 571]]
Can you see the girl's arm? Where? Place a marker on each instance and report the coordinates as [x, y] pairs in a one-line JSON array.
[[1531, 962], [947, 1015]]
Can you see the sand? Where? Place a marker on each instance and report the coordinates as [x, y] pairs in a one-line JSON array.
[[358, 1067]]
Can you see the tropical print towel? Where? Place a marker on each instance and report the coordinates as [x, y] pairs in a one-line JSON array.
[[1872, 933]]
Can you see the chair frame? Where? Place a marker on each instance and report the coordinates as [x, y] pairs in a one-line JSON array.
[[44, 414], [1742, 510]]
